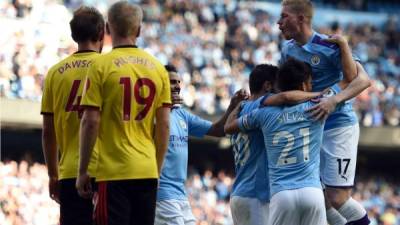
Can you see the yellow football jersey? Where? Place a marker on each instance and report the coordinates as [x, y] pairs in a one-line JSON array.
[[128, 85], [61, 97]]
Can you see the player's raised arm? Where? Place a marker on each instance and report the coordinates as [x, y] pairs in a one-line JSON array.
[[346, 58], [231, 125], [217, 128], [289, 97]]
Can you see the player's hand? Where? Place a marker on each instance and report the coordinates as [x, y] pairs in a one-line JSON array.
[[54, 189], [337, 39], [322, 110], [176, 99], [238, 97], [84, 186]]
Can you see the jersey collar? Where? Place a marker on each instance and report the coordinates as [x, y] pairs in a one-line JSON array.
[[84, 51], [307, 45], [125, 46]]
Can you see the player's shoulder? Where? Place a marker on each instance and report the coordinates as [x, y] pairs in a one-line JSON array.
[[318, 41], [288, 44]]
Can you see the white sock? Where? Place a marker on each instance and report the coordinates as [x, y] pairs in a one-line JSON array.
[[352, 210], [334, 217]]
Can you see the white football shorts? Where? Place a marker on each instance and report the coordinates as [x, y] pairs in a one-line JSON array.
[[174, 212], [304, 206], [249, 211], [339, 156]]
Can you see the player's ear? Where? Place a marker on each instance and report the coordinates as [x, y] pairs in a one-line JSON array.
[[108, 29], [138, 32]]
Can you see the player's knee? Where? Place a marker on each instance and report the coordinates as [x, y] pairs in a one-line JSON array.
[[337, 196]]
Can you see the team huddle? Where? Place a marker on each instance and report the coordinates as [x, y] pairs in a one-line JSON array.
[[115, 137]]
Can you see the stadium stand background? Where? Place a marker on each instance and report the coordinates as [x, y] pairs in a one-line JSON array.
[[226, 39]]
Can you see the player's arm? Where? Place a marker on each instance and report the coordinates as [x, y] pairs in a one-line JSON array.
[[87, 139], [232, 123], [50, 152], [217, 128], [161, 135], [348, 64], [289, 97], [350, 88], [355, 87]]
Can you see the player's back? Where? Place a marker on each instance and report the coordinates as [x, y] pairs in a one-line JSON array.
[[293, 141], [61, 96], [251, 163], [128, 85]]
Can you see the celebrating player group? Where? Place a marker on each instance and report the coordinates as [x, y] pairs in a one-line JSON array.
[[115, 136]]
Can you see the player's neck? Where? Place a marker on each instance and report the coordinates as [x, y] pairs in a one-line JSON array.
[[118, 41], [256, 96], [87, 46], [304, 36]]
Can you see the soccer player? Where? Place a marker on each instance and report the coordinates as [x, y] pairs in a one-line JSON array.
[[250, 192], [341, 131], [61, 117], [292, 139], [127, 107], [172, 204]]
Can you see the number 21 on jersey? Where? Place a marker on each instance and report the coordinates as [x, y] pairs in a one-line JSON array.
[[283, 158]]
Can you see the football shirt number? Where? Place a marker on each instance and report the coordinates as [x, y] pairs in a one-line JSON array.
[[283, 159], [73, 98], [138, 92]]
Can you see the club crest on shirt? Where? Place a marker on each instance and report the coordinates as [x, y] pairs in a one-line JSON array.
[[183, 124], [315, 60]]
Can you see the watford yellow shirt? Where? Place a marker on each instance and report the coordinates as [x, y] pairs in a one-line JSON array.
[[61, 96], [128, 85]]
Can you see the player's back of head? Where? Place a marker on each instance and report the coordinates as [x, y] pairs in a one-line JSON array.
[[293, 74], [87, 24], [260, 74], [171, 68], [125, 19], [304, 7]]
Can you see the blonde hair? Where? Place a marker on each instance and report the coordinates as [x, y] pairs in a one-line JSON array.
[[300, 6], [125, 18]]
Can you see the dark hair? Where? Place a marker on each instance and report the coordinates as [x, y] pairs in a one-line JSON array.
[[292, 74], [170, 68], [87, 24], [260, 74]]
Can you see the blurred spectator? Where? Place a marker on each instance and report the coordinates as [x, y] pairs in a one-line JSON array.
[[214, 45], [24, 197]]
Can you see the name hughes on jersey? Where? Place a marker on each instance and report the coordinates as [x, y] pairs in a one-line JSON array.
[[74, 65], [120, 61]]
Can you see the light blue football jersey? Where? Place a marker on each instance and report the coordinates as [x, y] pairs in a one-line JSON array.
[[293, 142], [251, 163], [174, 172], [325, 60]]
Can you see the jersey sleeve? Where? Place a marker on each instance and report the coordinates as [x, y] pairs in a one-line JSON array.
[[249, 121], [92, 94], [197, 126], [165, 97], [47, 97]]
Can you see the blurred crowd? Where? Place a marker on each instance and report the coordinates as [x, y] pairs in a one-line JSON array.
[[24, 197], [214, 44]]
